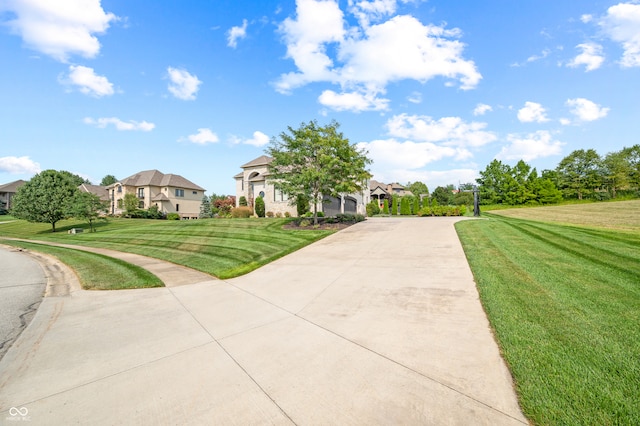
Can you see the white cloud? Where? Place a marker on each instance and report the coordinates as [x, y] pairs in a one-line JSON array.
[[393, 154], [353, 101], [258, 139], [59, 28], [482, 109], [203, 137], [622, 24], [103, 122], [532, 112], [586, 110], [591, 57], [368, 11], [236, 33], [19, 165], [534, 145], [415, 98], [88, 82], [448, 131], [368, 57], [183, 85], [586, 18]]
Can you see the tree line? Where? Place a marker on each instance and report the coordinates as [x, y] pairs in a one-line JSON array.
[[583, 174]]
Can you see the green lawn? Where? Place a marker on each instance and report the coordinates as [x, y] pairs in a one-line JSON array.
[[564, 302], [224, 248], [95, 271]]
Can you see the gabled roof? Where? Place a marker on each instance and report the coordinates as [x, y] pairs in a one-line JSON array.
[[156, 178], [100, 191], [12, 186], [263, 160]]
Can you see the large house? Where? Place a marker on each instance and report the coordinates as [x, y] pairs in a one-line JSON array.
[[7, 191], [169, 193], [253, 182], [381, 191]]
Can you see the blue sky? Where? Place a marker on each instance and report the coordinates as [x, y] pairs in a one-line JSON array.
[[433, 90]]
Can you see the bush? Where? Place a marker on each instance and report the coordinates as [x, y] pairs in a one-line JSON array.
[[304, 223], [241, 212], [416, 204], [373, 208], [270, 214], [385, 207], [405, 208], [302, 205], [260, 207], [443, 210], [242, 201], [287, 214], [278, 214], [394, 205], [173, 216]]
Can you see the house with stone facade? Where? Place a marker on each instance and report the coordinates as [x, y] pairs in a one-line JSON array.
[[381, 191], [7, 191], [168, 192], [253, 182]]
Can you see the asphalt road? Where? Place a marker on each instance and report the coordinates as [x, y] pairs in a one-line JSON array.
[[22, 286]]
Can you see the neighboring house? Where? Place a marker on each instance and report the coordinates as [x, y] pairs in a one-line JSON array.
[[7, 191], [252, 182], [170, 193], [100, 191], [381, 191]]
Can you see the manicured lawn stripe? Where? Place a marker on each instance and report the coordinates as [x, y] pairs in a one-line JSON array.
[[565, 307], [222, 247]]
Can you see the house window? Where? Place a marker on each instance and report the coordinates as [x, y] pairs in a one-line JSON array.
[[177, 207], [119, 189], [279, 195], [140, 192], [195, 192], [141, 204], [261, 194], [179, 192]]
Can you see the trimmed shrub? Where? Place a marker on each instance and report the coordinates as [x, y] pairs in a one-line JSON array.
[[270, 214], [260, 207], [385, 207], [302, 205], [241, 212], [373, 208], [405, 209], [173, 216], [287, 214], [242, 201], [394, 205], [416, 205]]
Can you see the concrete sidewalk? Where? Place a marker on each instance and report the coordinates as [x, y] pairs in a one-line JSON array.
[[377, 324]]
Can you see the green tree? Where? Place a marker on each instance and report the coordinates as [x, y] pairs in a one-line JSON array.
[[394, 204], [316, 161], [46, 198], [417, 188], [242, 201], [89, 207], [260, 207], [416, 204], [205, 208], [405, 206], [385, 206], [108, 180], [579, 173], [131, 203], [494, 182], [632, 156], [617, 171], [443, 195], [302, 204]]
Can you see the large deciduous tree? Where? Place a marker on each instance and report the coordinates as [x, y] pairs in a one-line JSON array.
[[46, 198], [580, 173], [108, 180], [316, 161]]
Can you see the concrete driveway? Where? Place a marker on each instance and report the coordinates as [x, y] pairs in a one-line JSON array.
[[377, 324]]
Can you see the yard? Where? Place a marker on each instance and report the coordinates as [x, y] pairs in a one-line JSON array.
[[562, 294]]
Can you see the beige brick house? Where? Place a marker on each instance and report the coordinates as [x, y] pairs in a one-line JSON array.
[[252, 182], [7, 191], [170, 193]]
